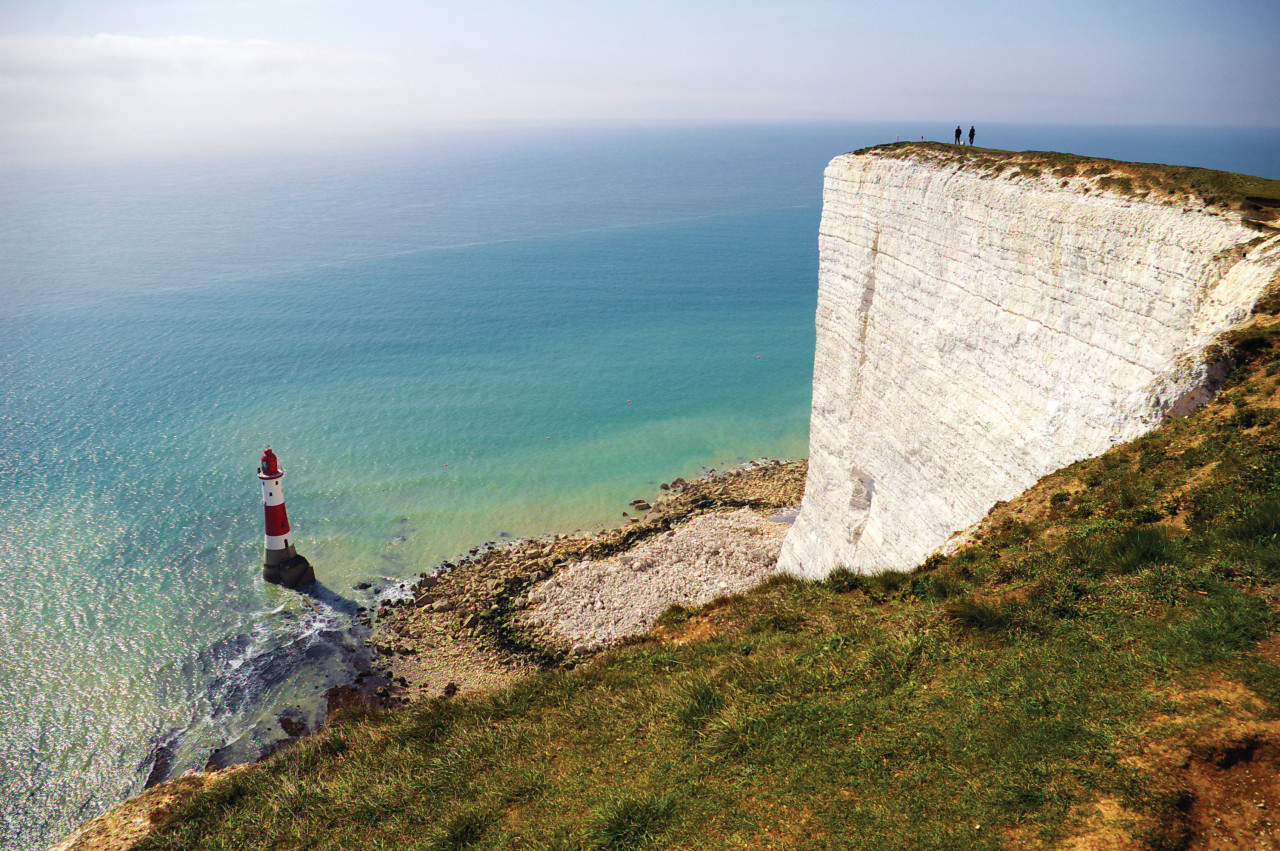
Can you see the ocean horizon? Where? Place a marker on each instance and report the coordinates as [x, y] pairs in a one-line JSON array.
[[446, 340]]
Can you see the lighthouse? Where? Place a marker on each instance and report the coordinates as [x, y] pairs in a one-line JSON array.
[[281, 564]]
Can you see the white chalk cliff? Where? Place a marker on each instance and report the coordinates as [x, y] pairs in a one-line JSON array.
[[978, 329]]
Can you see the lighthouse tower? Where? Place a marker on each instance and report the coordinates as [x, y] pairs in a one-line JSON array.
[[281, 563]]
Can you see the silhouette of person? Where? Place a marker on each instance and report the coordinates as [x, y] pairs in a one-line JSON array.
[[957, 134], [970, 134]]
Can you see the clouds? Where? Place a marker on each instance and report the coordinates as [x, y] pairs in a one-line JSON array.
[[178, 58], [111, 94], [116, 92]]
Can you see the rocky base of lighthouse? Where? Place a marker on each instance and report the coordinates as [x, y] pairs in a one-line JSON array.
[[290, 573]]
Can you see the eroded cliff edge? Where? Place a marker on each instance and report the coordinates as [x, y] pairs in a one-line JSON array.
[[984, 319]]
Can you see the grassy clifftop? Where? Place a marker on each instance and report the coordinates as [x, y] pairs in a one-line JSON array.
[[1099, 667], [1254, 198]]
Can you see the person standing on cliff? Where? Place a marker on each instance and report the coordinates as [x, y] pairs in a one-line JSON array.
[[971, 135], [957, 134]]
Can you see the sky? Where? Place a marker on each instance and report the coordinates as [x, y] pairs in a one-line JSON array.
[[103, 77]]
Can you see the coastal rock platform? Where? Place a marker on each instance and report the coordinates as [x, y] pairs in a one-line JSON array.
[[593, 604], [508, 611]]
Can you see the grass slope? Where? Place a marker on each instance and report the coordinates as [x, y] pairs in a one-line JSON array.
[[1105, 644]]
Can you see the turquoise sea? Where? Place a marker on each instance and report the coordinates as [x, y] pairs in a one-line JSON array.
[[449, 340]]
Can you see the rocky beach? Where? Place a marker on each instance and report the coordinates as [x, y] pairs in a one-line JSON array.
[[506, 611]]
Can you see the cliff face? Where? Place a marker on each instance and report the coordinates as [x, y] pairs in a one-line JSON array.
[[977, 330]]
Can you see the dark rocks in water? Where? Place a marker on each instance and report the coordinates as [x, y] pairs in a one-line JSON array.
[[161, 758], [371, 692], [641, 505], [293, 726], [252, 669], [223, 757], [362, 586], [277, 747]]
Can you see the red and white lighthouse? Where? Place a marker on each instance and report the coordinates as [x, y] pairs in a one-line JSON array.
[[281, 563]]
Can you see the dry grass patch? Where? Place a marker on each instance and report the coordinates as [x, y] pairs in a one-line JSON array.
[[1256, 199]]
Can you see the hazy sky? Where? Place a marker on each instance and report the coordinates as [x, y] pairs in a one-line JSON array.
[[99, 76]]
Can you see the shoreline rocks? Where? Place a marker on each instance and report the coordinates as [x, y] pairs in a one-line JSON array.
[[593, 604], [509, 610]]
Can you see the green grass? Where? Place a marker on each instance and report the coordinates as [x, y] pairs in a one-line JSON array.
[[984, 700], [1246, 193]]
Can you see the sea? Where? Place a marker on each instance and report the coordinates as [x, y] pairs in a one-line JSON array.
[[464, 337]]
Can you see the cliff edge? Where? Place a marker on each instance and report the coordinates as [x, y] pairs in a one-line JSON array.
[[986, 318]]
